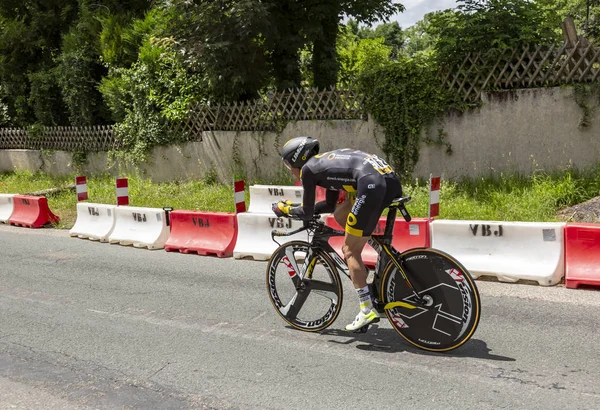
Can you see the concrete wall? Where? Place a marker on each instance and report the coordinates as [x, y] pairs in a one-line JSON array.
[[516, 131]]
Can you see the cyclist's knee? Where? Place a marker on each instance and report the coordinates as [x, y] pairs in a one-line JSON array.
[[353, 249], [341, 213]]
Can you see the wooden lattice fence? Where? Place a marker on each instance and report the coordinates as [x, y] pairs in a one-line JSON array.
[[539, 66], [266, 113], [86, 139]]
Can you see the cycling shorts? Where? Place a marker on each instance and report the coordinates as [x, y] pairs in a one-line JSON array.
[[374, 192]]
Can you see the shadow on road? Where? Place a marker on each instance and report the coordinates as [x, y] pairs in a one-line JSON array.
[[387, 340]]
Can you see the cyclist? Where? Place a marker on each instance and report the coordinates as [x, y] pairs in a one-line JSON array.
[[371, 182]]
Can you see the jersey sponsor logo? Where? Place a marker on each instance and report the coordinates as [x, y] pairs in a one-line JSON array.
[[371, 186], [351, 221], [358, 203], [340, 179], [338, 156], [299, 150], [378, 164]]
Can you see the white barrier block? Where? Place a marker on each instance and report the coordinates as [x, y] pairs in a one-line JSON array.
[[94, 221], [510, 251], [262, 196], [6, 207], [140, 227], [254, 234]]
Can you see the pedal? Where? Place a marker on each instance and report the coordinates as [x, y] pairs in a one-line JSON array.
[[362, 329], [366, 327]]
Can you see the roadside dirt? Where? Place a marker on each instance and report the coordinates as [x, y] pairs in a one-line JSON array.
[[588, 211]]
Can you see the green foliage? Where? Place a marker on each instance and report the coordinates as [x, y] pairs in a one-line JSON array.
[[150, 97], [535, 198], [421, 38], [78, 71], [44, 98], [587, 96], [122, 34], [356, 56], [404, 97], [585, 13], [480, 25], [223, 40], [29, 41], [391, 33]]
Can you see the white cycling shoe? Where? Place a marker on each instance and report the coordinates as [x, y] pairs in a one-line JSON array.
[[363, 319]]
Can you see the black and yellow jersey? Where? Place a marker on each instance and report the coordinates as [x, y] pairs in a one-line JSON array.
[[338, 170]]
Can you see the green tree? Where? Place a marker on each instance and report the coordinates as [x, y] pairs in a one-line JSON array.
[[391, 33], [585, 13], [79, 70], [480, 25], [49, 65], [357, 56], [29, 40], [420, 38], [323, 18], [226, 40], [148, 98]]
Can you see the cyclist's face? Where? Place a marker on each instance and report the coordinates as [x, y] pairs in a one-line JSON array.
[[294, 171]]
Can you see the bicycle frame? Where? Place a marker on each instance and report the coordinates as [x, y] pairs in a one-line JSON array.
[[381, 243]]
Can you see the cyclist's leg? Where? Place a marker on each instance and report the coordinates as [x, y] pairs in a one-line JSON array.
[[360, 223], [341, 212]]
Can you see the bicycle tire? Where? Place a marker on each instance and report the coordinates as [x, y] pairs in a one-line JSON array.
[[328, 284], [454, 306]]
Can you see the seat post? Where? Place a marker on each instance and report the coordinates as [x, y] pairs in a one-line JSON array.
[[389, 225]]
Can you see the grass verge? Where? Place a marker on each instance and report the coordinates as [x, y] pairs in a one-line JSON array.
[[535, 198]]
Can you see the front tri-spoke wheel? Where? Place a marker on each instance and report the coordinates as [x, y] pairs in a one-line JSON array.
[[448, 311], [304, 286]]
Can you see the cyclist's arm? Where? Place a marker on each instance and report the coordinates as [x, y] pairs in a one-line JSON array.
[[329, 204], [307, 209]]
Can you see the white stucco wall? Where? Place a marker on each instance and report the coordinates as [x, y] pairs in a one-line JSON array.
[[517, 131]]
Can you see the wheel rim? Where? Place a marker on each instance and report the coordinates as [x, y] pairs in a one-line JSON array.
[[315, 306], [451, 309]]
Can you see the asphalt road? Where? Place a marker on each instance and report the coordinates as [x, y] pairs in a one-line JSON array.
[[90, 325]]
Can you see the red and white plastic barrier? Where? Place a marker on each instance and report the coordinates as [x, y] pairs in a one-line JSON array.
[[582, 255], [434, 196], [31, 212], [239, 196], [81, 188], [414, 234], [205, 233], [94, 221], [254, 234], [140, 227], [122, 191], [6, 207], [509, 251], [262, 196]]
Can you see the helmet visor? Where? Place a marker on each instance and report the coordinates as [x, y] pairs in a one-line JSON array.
[[287, 164]]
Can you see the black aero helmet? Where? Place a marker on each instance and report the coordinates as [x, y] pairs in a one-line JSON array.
[[298, 150]]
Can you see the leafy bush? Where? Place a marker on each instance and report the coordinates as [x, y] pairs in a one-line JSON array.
[[356, 56], [404, 97], [148, 98], [79, 70]]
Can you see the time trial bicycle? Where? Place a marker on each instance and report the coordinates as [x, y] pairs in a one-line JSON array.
[[429, 298]]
